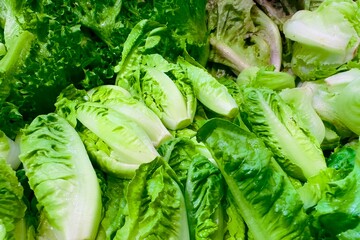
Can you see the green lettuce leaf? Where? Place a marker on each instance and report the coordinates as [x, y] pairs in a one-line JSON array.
[[9, 150], [325, 38], [271, 119], [12, 207], [235, 225], [264, 196], [337, 213], [57, 165], [115, 207], [301, 100], [265, 77], [209, 91], [120, 100], [156, 205], [119, 144], [204, 191]]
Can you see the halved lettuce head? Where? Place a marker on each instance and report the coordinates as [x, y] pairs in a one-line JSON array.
[[337, 101]]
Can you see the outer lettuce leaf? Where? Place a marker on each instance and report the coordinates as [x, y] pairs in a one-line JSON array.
[[343, 158], [12, 207], [340, 163], [56, 49], [156, 205], [57, 165], [204, 191], [294, 147], [187, 22], [179, 153], [264, 196]]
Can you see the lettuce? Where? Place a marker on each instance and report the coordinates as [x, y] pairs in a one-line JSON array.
[[115, 207], [12, 207], [329, 97], [325, 38], [204, 192], [263, 195], [9, 150], [271, 119], [115, 142], [120, 100], [241, 35], [156, 205], [337, 212], [57, 165]]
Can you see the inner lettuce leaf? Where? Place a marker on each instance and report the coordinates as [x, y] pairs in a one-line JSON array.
[[262, 192]]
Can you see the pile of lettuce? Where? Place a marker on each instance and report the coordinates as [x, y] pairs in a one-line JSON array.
[[179, 119]]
